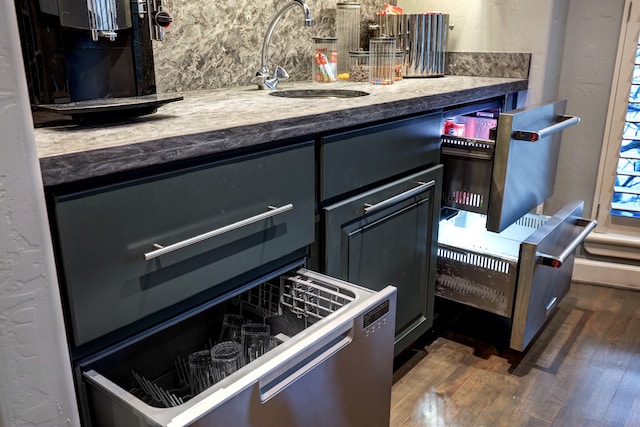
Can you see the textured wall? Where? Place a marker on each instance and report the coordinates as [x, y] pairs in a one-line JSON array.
[[35, 373], [219, 44], [509, 26], [593, 29]]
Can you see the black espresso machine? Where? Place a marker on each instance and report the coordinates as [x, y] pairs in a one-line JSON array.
[[91, 58]]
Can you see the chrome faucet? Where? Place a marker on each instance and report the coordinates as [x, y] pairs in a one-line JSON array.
[[266, 79]]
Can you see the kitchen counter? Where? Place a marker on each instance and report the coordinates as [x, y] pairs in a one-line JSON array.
[[209, 122]]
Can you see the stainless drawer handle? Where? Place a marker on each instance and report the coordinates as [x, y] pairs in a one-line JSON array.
[[287, 372], [526, 135], [550, 306], [424, 186], [162, 250], [557, 261]]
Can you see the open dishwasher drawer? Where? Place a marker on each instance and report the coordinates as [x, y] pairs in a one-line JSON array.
[[328, 337], [520, 273]]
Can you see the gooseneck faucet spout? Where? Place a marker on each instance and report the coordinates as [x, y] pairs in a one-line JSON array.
[[266, 79]]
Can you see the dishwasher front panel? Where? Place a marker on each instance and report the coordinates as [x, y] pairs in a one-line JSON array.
[[334, 371]]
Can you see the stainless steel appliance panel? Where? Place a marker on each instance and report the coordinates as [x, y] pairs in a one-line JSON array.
[[335, 372], [525, 161], [546, 264]]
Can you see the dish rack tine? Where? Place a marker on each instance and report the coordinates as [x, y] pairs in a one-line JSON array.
[[306, 298], [183, 373], [156, 392], [160, 394], [143, 385], [146, 387], [167, 398], [176, 400]]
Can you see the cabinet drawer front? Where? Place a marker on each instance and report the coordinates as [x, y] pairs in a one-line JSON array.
[[105, 234], [355, 159], [542, 284]]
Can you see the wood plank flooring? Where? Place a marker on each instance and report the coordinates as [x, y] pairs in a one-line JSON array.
[[582, 370]]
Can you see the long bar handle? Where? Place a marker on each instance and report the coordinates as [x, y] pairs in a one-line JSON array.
[[557, 261], [162, 250], [283, 375], [424, 186], [526, 135]]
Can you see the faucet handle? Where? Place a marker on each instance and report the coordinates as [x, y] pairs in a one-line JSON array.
[[280, 73], [262, 73], [270, 82]]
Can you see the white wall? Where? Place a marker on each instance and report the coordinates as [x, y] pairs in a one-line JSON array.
[[35, 376], [593, 29], [536, 27]]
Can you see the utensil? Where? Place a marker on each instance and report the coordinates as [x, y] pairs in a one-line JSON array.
[[157, 393]]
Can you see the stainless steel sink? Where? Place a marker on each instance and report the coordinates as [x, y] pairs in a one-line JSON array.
[[319, 93]]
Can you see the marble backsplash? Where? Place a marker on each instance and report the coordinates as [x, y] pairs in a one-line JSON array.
[[488, 64], [218, 44], [214, 44]]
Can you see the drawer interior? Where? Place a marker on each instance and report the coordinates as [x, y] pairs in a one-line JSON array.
[[479, 268], [468, 165], [155, 368], [467, 231]]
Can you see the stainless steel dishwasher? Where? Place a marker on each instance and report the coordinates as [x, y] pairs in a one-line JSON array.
[[494, 252], [335, 345], [149, 268]]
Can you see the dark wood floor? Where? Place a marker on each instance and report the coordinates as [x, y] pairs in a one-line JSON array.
[[582, 370]]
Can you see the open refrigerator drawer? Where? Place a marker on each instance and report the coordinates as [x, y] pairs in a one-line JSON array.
[[507, 171], [494, 254], [520, 273], [322, 332]]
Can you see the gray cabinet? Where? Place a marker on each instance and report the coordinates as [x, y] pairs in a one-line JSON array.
[[387, 237], [355, 159], [129, 251], [385, 234]]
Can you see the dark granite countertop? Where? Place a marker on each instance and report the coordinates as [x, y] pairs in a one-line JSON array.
[[208, 122]]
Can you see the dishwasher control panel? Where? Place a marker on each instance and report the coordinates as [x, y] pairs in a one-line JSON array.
[[375, 318]]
